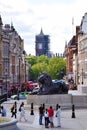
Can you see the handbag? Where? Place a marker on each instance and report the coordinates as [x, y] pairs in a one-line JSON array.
[[20, 109]]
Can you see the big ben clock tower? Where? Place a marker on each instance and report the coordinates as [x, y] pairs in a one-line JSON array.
[[42, 44]]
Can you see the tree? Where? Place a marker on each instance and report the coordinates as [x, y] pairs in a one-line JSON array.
[[32, 60], [54, 66], [37, 69]]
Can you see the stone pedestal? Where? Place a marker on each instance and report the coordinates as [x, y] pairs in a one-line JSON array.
[[82, 88], [64, 100]]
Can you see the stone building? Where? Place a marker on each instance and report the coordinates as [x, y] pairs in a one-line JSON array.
[[77, 57], [13, 65], [82, 51], [71, 54]]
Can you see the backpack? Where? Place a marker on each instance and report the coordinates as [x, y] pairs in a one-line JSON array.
[[12, 108]]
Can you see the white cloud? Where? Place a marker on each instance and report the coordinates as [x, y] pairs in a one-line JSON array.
[[54, 16]]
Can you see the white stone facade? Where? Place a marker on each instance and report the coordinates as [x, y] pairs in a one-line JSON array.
[[82, 52]]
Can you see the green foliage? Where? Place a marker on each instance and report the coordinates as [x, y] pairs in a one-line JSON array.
[[42, 58], [55, 66], [38, 69], [31, 60], [40, 64]]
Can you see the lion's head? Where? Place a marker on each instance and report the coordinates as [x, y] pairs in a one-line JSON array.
[[45, 80]]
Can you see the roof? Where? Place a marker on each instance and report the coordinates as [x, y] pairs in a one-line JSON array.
[[72, 42]]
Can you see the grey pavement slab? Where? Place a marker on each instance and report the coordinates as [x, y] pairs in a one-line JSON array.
[[67, 122]]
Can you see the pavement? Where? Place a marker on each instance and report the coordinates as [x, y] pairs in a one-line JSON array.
[[67, 122]]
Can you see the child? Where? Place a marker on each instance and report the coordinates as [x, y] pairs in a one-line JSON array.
[[46, 117]]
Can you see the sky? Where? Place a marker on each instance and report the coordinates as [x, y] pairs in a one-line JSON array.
[[53, 16]]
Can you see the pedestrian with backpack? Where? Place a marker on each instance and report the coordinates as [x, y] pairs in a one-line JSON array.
[[14, 110]]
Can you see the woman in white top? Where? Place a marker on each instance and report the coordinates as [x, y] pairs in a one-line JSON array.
[[58, 114], [22, 112]]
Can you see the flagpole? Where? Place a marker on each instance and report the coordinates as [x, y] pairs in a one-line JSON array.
[[72, 26]]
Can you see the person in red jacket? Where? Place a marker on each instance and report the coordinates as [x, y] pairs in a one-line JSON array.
[[51, 114]]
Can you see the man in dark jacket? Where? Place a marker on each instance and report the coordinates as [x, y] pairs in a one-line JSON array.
[[41, 113]]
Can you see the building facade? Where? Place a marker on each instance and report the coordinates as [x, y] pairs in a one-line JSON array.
[[71, 54], [13, 64], [82, 51], [77, 57], [82, 58]]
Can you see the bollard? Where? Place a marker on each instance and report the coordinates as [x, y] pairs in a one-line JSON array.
[[32, 113], [73, 111]]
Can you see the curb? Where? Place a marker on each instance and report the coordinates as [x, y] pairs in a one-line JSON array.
[[9, 125]]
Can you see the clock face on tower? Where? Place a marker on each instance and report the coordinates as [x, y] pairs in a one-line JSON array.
[[39, 45]]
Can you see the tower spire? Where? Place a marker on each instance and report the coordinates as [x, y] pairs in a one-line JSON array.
[[41, 32], [11, 24], [1, 20]]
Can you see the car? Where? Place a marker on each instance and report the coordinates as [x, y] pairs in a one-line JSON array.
[[35, 90], [22, 95], [30, 85]]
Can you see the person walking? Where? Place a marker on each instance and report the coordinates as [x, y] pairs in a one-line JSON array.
[[46, 117], [22, 112], [41, 113], [58, 115], [51, 114], [14, 110], [15, 107], [3, 111]]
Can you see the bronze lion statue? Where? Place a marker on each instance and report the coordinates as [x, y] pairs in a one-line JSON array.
[[47, 86]]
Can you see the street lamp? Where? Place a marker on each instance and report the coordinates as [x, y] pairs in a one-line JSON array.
[[13, 79], [6, 84], [19, 76], [25, 70], [75, 77], [62, 73], [82, 75]]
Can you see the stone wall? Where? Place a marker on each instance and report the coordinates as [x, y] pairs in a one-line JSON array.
[[62, 99], [65, 100], [79, 100], [82, 88]]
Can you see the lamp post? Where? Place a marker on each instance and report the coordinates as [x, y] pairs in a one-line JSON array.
[[75, 77], [13, 79], [62, 73], [19, 76], [25, 70], [82, 75], [6, 84]]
